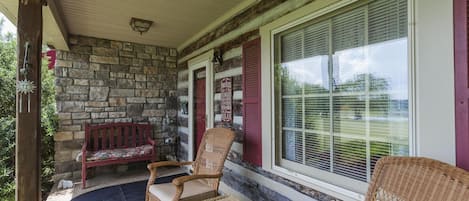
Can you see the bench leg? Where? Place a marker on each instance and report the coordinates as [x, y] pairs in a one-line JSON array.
[[83, 177]]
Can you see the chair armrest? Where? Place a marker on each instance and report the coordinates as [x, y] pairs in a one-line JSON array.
[[154, 165], [181, 180]]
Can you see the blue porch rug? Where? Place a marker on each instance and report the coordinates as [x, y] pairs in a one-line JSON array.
[[125, 192]]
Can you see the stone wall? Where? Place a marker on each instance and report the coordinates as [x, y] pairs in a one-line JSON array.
[[100, 81], [183, 117], [247, 187]]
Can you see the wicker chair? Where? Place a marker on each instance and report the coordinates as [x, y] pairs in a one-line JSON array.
[[208, 166], [417, 179]]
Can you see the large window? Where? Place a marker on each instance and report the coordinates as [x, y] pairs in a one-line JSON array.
[[342, 90]]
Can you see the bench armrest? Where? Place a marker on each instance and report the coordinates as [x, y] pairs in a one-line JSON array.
[[83, 153], [150, 141]]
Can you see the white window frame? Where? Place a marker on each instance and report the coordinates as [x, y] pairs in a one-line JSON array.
[[431, 113], [202, 61]]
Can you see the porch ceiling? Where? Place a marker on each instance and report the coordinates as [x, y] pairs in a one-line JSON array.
[[176, 22], [55, 34]]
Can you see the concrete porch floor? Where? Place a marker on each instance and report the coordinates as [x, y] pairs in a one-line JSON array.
[[107, 179]]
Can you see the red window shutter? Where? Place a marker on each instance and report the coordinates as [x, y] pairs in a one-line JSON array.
[[461, 84], [252, 152]]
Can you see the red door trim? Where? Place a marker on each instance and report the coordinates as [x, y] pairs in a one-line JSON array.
[[460, 8], [199, 110]]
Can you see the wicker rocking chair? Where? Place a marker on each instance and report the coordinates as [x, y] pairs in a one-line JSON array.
[[417, 179], [208, 166]]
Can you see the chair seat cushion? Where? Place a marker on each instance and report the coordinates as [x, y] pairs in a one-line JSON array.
[[111, 154], [193, 190]]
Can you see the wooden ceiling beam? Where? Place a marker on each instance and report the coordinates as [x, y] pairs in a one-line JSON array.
[[55, 29], [59, 19]]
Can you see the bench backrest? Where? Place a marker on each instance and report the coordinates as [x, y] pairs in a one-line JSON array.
[[116, 135]]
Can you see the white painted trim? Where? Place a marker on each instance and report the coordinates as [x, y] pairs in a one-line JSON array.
[[229, 14], [316, 184], [237, 147], [180, 114], [185, 146], [182, 85], [324, 9], [432, 107], [204, 60], [183, 73], [412, 79], [235, 52], [267, 182], [268, 156], [207, 56], [229, 73], [183, 98], [184, 130], [237, 95], [434, 73], [236, 119]]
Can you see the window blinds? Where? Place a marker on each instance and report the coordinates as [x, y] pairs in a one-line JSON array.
[[342, 105]]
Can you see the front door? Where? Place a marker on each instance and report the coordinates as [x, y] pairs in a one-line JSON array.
[[199, 107]]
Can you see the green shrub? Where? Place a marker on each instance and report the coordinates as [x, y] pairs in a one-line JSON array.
[[7, 158], [49, 124], [49, 121]]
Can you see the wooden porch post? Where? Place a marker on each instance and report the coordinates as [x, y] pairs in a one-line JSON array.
[[28, 110]]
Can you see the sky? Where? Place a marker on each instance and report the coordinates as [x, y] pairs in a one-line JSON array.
[[7, 26], [387, 60]]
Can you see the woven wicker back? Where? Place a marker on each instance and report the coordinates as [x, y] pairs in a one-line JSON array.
[[213, 149], [414, 178]]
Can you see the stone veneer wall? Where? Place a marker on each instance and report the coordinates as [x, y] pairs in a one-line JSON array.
[[234, 175], [100, 81]]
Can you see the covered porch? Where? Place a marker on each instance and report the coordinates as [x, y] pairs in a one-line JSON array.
[[186, 66]]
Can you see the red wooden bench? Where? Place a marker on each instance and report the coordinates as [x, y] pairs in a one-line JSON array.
[[116, 143]]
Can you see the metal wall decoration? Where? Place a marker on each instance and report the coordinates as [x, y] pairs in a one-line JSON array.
[[25, 87], [226, 100]]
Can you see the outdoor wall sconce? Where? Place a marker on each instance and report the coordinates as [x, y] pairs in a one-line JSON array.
[[218, 57], [140, 25], [184, 108]]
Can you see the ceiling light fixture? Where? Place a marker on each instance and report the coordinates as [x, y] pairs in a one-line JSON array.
[[140, 25]]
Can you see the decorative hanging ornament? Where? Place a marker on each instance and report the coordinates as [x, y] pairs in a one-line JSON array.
[[25, 87]]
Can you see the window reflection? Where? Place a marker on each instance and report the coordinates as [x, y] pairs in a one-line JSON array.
[[311, 73], [343, 89]]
